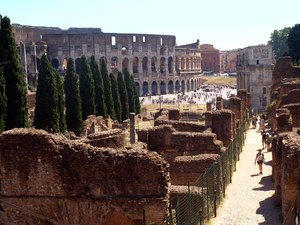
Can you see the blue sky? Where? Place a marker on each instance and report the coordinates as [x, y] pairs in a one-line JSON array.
[[227, 24]]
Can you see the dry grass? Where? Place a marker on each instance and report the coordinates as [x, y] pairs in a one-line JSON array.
[[219, 80], [150, 108]]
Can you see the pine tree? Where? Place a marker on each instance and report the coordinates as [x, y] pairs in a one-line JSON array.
[[116, 97], [99, 88], [61, 102], [107, 91], [87, 89], [15, 85], [136, 97], [123, 97], [72, 99], [46, 114], [129, 89], [3, 101]]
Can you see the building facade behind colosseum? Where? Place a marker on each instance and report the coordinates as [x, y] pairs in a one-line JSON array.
[[158, 65]]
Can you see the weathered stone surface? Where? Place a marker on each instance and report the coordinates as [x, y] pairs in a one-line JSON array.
[[159, 138], [187, 169], [74, 183], [182, 126], [114, 138]]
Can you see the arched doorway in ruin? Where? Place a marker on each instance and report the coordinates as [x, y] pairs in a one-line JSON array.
[[171, 87], [162, 88], [188, 85], [192, 85], [118, 218], [145, 88], [170, 64], [145, 65], [154, 88]]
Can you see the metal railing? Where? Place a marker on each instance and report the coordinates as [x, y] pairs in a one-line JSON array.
[[203, 197]]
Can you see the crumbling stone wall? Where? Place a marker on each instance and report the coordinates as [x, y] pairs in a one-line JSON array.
[[75, 183], [114, 138], [185, 170], [286, 160], [182, 125], [192, 143], [222, 124]]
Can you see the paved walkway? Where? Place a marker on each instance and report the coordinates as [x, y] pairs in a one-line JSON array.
[[249, 197]]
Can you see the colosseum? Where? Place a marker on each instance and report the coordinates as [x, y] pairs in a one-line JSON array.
[[158, 65]]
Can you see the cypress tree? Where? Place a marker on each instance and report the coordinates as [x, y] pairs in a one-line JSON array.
[[129, 89], [87, 89], [107, 91], [72, 99], [123, 97], [116, 97], [46, 107], [15, 85], [99, 88], [135, 97], [3, 101], [61, 102]]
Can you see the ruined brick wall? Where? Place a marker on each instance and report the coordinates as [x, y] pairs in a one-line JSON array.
[[235, 105], [287, 167], [192, 143], [159, 138], [187, 169], [285, 69], [75, 183], [222, 125], [182, 126], [114, 138]]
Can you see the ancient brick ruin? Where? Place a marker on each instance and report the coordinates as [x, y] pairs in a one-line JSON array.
[[284, 115], [75, 183]]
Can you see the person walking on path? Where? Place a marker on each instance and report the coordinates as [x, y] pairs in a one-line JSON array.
[[260, 160]]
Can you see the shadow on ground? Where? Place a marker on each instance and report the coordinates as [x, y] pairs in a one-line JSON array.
[[266, 182], [267, 208]]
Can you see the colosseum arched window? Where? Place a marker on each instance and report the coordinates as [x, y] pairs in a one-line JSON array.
[[102, 60], [145, 88], [182, 66], [187, 85], [145, 64], [192, 85], [55, 63], [162, 88], [182, 86], [177, 86], [125, 64], [114, 64], [135, 64], [153, 64], [170, 87], [162, 65], [187, 66], [77, 65], [154, 88], [170, 64], [137, 86]]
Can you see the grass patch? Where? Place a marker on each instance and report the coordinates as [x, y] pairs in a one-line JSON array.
[[219, 80]]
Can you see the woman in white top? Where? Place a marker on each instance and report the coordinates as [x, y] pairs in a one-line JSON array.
[[259, 159]]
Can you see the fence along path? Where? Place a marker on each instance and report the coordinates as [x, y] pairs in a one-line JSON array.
[[249, 198]]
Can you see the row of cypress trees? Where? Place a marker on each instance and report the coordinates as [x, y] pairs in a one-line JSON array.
[[93, 92], [60, 103], [13, 87]]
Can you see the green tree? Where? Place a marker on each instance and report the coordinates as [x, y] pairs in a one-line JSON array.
[[99, 88], [107, 91], [3, 101], [72, 99], [278, 40], [135, 97], [293, 43], [129, 89], [46, 114], [61, 102], [123, 97], [14, 75], [116, 98], [87, 89]]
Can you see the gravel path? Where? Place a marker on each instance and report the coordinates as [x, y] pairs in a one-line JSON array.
[[249, 198]]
